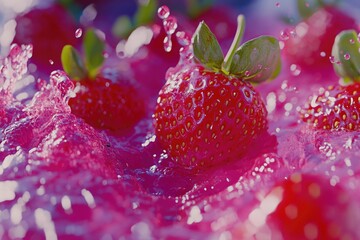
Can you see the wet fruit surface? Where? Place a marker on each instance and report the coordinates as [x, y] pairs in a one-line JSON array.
[[60, 178]]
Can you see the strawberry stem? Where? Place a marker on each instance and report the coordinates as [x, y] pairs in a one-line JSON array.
[[234, 45]]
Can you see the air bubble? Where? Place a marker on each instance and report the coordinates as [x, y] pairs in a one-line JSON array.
[[277, 4], [51, 62], [352, 41], [78, 33], [247, 73], [323, 54], [163, 12]]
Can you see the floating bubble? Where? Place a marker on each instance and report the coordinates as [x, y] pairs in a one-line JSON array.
[[163, 12]]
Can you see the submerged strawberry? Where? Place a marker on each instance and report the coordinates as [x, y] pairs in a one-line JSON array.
[[311, 208], [103, 102], [312, 40], [207, 113], [338, 107], [48, 30]]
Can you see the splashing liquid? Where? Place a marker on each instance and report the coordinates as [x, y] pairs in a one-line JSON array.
[[169, 24]]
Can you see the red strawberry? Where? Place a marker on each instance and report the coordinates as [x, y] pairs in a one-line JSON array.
[[48, 30], [104, 103], [311, 208], [206, 112], [312, 41], [337, 107], [108, 105]]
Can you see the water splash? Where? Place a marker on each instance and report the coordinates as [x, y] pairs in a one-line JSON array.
[[169, 24], [13, 68]]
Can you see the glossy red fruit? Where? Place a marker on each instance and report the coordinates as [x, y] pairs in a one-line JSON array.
[[337, 107], [48, 30], [205, 118], [108, 105], [310, 207], [314, 37]]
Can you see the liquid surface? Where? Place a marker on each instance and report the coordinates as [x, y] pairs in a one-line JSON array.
[[61, 178]]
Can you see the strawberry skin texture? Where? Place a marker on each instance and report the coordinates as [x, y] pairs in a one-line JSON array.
[[315, 36], [337, 107], [108, 105], [203, 118], [311, 208]]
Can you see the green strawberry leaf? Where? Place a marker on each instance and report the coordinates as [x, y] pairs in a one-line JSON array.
[[146, 12], [93, 49], [122, 27], [196, 7], [257, 60], [72, 63], [347, 56], [206, 47]]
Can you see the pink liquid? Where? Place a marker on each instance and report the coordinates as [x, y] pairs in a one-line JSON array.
[[61, 178]]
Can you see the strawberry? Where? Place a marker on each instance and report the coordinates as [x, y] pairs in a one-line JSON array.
[[207, 113], [312, 40], [309, 207], [48, 30], [337, 107], [334, 108], [103, 102]]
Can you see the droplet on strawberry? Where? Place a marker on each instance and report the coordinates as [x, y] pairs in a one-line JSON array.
[[311, 40], [208, 113], [104, 103], [309, 207], [337, 107]]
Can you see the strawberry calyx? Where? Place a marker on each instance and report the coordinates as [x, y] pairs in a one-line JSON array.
[[88, 66], [256, 60], [307, 8], [346, 56]]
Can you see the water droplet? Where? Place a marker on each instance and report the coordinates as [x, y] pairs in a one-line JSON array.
[[247, 73], [332, 59], [347, 56], [323, 54], [295, 70], [277, 4], [359, 37], [163, 12], [170, 25], [183, 38], [285, 34], [78, 33], [352, 41], [51, 61], [167, 43]]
